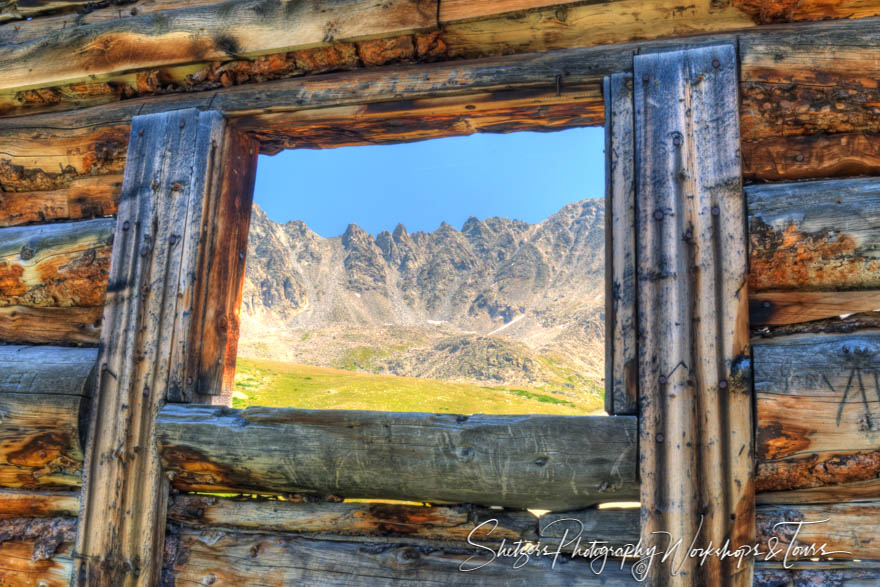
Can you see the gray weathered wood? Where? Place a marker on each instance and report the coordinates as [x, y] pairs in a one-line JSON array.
[[448, 524], [612, 526], [228, 558], [694, 391], [545, 462], [818, 410], [171, 192], [837, 573], [816, 235], [43, 405], [852, 530], [621, 366]]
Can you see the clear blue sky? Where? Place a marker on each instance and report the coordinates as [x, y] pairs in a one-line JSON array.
[[525, 175]]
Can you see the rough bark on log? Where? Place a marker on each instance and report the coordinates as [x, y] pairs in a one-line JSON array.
[[842, 531], [621, 363], [16, 503], [695, 439], [55, 265], [818, 235], [242, 559], [546, 462], [18, 567], [818, 410], [43, 400]]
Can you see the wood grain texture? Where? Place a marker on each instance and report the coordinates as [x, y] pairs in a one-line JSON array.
[[451, 524], [585, 24], [817, 574], [86, 197], [793, 307], [41, 556], [545, 462], [819, 235], [43, 401], [694, 390], [55, 265], [230, 558], [17, 503], [169, 193], [852, 530], [818, 410], [854, 491], [218, 32], [621, 361], [26, 325]]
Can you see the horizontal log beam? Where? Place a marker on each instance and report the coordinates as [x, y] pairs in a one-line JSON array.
[[231, 558], [218, 32], [768, 574], [43, 397], [545, 462], [55, 265], [443, 523], [22, 324], [844, 492], [773, 308], [86, 197], [851, 529], [16, 503], [819, 235], [36, 551], [818, 410]]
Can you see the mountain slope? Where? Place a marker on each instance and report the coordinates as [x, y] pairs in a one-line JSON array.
[[499, 301]]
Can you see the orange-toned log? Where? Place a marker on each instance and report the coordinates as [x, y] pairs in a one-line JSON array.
[[86, 197], [817, 236], [818, 410], [773, 308], [43, 397], [55, 265], [18, 503]]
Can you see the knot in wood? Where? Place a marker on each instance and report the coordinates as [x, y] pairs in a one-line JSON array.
[[541, 461], [189, 380], [662, 379], [27, 253], [715, 63], [126, 225], [722, 384], [175, 187], [658, 215], [172, 239], [465, 454], [212, 578], [716, 211]]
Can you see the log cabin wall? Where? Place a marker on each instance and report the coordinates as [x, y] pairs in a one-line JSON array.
[[73, 74]]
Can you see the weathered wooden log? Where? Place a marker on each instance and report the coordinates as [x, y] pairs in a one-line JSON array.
[[443, 523], [855, 491], [818, 410], [16, 503], [695, 421], [613, 526], [811, 82], [218, 32], [87, 197], [43, 400], [20, 324], [768, 574], [36, 551], [842, 531], [546, 462], [55, 265], [176, 265], [621, 362], [818, 235], [230, 558], [792, 307]]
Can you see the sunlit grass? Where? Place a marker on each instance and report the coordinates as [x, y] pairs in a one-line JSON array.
[[278, 384]]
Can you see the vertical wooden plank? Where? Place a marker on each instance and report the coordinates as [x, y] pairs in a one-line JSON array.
[[170, 191], [696, 439], [621, 374]]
